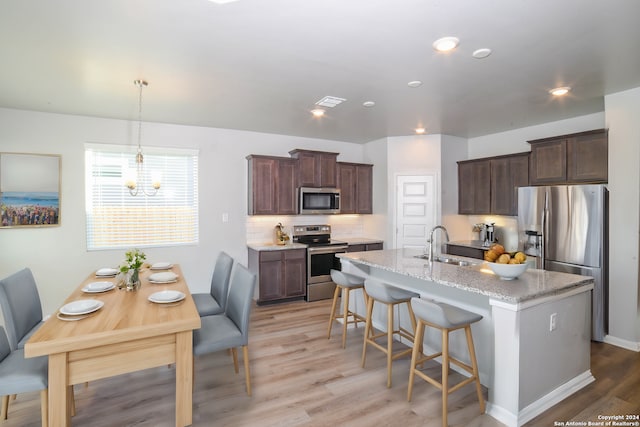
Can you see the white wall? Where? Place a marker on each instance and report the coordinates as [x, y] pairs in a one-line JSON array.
[[58, 255], [411, 155], [375, 152], [453, 150], [515, 141], [622, 113]]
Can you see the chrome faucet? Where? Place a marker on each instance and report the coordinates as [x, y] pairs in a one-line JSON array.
[[430, 240]]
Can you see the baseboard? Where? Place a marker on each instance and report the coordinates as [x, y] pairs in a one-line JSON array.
[[619, 342], [539, 406]]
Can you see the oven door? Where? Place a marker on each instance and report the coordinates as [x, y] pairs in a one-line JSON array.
[[320, 261]]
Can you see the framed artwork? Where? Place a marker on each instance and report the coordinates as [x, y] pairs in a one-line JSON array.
[[29, 190]]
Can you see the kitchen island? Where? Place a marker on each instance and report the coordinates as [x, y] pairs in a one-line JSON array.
[[533, 343]]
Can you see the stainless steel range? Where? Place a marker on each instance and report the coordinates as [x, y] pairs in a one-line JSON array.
[[321, 251]]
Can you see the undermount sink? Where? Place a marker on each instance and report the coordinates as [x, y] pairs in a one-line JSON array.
[[444, 260]]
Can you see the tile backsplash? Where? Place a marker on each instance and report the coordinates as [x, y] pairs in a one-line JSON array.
[[261, 229]]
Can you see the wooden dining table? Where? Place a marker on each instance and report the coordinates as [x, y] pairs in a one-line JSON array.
[[129, 333]]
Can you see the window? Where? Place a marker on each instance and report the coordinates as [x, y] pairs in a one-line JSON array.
[[116, 219]]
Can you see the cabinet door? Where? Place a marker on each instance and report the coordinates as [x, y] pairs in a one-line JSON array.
[[474, 187], [286, 187], [295, 272], [327, 168], [347, 185], [308, 170], [507, 174], [262, 191], [270, 275], [587, 158], [549, 162], [357, 248], [364, 189], [500, 187], [519, 174]]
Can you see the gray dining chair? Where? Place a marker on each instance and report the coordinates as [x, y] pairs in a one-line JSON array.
[[230, 329], [20, 303], [215, 301], [21, 375]]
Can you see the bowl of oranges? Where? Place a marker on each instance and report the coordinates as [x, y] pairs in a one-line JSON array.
[[507, 266]]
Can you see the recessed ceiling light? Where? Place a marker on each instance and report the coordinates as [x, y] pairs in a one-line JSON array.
[[222, 1], [318, 112], [445, 44], [368, 104], [414, 83], [481, 53], [420, 131], [559, 91]]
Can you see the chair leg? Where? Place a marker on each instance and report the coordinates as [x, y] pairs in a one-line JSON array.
[[14, 396], [445, 375], [389, 342], [333, 310], [474, 365], [367, 330], [234, 353], [72, 400], [419, 337], [44, 407], [245, 356], [5, 407], [345, 297]]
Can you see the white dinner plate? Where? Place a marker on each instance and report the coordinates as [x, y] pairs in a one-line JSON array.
[[81, 306], [164, 297], [96, 287], [168, 282], [161, 266], [106, 272], [164, 277]]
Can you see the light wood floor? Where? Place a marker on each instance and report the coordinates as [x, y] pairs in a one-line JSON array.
[[300, 378]]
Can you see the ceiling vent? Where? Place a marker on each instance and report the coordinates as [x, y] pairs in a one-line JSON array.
[[330, 101]]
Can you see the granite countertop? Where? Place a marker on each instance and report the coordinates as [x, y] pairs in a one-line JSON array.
[[358, 240], [477, 277], [271, 246]]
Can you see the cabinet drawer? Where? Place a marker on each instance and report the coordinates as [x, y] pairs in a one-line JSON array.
[[270, 256]]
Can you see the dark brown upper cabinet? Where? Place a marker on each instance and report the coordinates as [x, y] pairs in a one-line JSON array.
[[490, 185], [507, 174], [272, 185], [316, 168], [570, 159], [474, 187], [356, 188]]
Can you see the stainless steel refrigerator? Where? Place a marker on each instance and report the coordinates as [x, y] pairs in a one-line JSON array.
[[566, 228]]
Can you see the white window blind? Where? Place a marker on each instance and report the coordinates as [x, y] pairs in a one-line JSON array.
[[116, 219]]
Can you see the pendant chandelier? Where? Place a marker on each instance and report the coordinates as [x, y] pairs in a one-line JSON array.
[[137, 186]]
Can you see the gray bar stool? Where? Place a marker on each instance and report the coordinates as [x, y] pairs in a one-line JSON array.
[[447, 318], [391, 296], [345, 283]]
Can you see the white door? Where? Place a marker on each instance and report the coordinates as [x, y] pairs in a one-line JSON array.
[[415, 210]]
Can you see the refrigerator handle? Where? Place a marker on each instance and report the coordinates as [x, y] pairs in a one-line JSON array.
[[545, 230]]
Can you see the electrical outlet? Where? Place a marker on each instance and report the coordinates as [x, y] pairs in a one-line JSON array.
[[225, 217], [553, 322]]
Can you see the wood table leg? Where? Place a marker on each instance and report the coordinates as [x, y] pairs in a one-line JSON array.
[[184, 378], [59, 415]]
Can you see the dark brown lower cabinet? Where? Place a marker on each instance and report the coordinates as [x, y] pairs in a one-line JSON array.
[[365, 247], [282, 274], [466, 251]]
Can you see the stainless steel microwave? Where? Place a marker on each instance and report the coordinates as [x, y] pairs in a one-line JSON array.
[[318, 201]]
